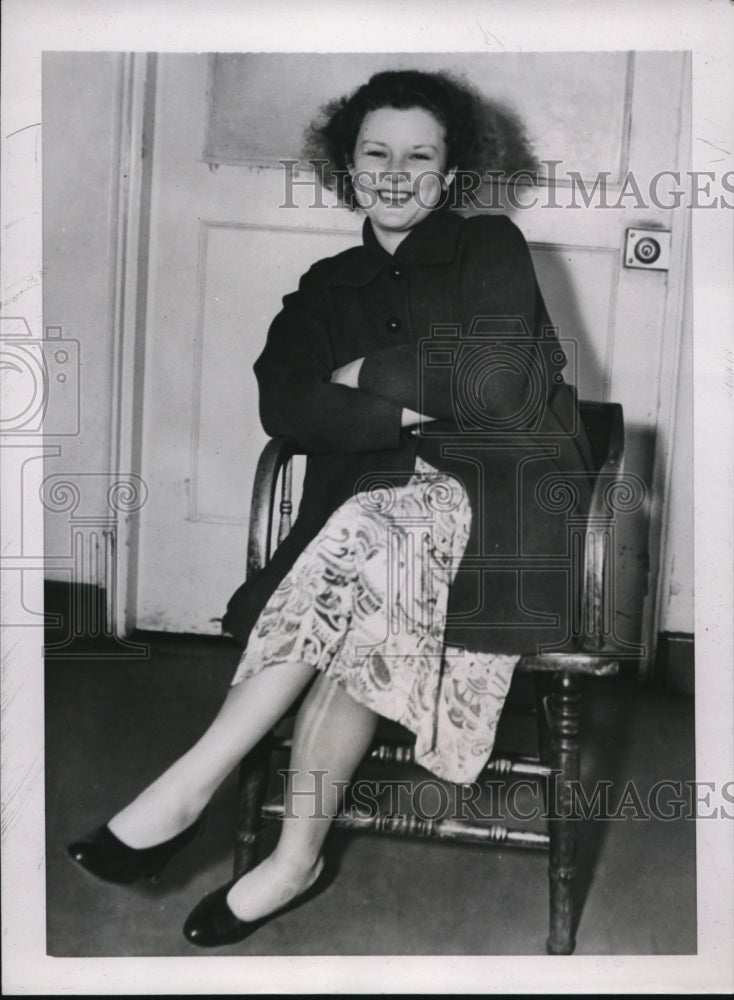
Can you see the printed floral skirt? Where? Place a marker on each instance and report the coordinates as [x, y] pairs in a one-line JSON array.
[[365, 603]]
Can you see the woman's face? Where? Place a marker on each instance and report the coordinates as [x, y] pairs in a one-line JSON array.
[[398, 169]]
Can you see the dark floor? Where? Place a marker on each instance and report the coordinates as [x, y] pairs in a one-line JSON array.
[[113, 723]]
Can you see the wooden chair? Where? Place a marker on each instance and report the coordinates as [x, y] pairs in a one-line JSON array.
[[595, 651]]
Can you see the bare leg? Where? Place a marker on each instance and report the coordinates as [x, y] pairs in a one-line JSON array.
[[177, 797], [332, 735]]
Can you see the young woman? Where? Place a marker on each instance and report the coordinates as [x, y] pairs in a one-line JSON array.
[[421, 375]]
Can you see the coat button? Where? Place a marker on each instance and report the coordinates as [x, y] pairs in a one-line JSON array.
[[396, 272], [393, 324]]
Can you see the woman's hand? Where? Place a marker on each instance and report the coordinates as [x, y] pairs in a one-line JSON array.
[[410, 418], [348, 374]]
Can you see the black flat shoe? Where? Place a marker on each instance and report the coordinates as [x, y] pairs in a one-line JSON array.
[[212, 924], [106, 857]]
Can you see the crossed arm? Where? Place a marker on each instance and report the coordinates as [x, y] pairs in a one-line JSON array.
[[363, 405], [348, 375]]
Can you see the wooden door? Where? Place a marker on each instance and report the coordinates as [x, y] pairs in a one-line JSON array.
[[224, 250]]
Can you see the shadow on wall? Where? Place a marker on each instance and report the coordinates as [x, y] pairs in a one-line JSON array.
[[506, 140], [557, 286]]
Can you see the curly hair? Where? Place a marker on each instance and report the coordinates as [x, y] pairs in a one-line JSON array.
[[479, 135]]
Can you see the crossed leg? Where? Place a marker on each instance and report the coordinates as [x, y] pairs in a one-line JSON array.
[[332, 734], [177, 797]]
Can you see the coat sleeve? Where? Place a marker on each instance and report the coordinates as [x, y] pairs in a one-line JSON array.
[[503, 365], [298, 401]]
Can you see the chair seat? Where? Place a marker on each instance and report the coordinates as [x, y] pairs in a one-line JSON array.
[[596, 665]]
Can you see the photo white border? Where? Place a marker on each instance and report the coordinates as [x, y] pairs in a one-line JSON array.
[[707, 29]]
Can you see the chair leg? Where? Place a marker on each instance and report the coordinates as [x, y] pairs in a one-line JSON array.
[[253, 776], [562, 709]]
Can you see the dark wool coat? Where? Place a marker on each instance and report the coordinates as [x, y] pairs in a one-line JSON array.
[[452, 325]]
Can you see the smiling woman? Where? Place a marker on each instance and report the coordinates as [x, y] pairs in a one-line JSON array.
[[454, 128], [422, 376]]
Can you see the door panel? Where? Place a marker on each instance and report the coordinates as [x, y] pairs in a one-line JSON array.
[[244, 272]]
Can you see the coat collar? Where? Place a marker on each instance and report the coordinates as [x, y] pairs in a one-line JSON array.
[[433, 241]]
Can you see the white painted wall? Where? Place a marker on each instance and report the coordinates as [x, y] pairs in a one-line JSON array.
[[80, 133], [676, 582]]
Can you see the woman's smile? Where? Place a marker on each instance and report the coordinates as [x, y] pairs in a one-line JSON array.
[[397, 198]]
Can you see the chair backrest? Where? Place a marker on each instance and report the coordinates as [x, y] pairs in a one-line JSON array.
[[604, 424], [274, 466], [604, 427]]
